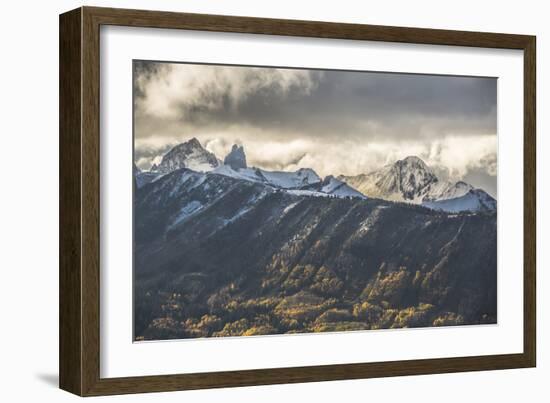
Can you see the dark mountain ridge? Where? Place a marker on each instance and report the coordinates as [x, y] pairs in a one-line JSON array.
[[216, 255]]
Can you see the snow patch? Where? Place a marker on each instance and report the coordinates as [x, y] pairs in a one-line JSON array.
[[290, 207], [186, 211]]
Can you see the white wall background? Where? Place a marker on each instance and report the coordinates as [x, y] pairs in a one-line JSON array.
[[29, 198]]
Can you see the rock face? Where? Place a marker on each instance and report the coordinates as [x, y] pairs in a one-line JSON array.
[[190, 155], [219, 255], [409, 177], [236, 158]]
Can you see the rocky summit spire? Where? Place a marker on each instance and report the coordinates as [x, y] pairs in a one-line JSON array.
[[236, 159]]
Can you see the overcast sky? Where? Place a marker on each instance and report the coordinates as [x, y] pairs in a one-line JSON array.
[[336, 122]]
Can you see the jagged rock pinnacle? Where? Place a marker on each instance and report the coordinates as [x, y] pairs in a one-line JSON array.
[[236, 159]]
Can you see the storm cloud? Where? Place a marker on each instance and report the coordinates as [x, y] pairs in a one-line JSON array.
[[336, 122]]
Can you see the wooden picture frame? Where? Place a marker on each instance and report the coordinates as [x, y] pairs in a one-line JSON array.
[[79, 346]]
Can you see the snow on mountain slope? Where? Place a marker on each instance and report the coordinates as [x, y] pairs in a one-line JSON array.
[[474, 200], [303, 182], [443, 190], [287, 180], [336, 187], [248, 174], [280, 179], [189, 155]]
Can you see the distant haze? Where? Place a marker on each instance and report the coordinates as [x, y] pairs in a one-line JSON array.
[[336, 122]]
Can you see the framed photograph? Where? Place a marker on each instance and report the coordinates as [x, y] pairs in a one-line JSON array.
[[249, 201]]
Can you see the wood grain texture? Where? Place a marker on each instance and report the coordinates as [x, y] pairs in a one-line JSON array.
[[80, 200], [305, 374], [90, 202], [530, 202], [317, 29], [70, 314]]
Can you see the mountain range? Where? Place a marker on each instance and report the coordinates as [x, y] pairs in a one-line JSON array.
[[409, 180], [193, 156], [224, 249]]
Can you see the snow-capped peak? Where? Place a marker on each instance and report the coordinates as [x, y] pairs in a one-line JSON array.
[[189, 155], [412, 180], [405, 180]]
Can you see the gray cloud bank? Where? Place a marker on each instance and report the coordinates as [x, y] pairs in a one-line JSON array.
[[337, 122]]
